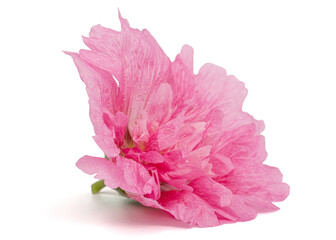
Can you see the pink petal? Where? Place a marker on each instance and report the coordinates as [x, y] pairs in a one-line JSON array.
[[189, 208], [189, 136], [221, 165], [240, 209], [152, 157], [140, 156], [117, 123], [187, 171], [242, 144], [211, 191], [124, 173], [174, 158], [200, 153]]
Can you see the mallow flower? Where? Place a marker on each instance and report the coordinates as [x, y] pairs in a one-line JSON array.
[[172, 139]]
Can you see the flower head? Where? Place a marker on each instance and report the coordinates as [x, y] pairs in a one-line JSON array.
[[174, 140]]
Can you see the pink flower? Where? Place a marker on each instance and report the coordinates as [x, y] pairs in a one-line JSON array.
[[174, 140]]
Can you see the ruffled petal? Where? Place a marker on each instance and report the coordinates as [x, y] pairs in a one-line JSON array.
[[138, 63], [183, 83], [211, 191], [247, 178], [101, 89], [219, 90], [256, 186]]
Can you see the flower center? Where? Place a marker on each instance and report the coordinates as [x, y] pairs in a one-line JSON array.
[[128, 140]]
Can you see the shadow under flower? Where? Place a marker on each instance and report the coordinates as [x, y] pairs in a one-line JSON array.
[[109, 209]]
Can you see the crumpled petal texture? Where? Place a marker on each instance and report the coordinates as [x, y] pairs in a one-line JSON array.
[[174, 140]]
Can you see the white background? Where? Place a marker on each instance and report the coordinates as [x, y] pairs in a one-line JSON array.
[[285, 52]]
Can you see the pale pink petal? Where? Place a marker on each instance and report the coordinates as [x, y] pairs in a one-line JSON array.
[[159, 105], [245, 178], [135, 59], [187, 57], [106, 35], [145, 66], [103, 61], [242, 144], [277, 191], [175, 184], [166, 136], [140, 131], [183, 83], [240, 209], [103, 168], [257, 201], [219, 90], [182, 72]]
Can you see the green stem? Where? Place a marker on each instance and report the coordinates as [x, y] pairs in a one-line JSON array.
[[121, 192], [97, 186]]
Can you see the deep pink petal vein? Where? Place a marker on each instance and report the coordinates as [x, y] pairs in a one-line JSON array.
[[174, 140]]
